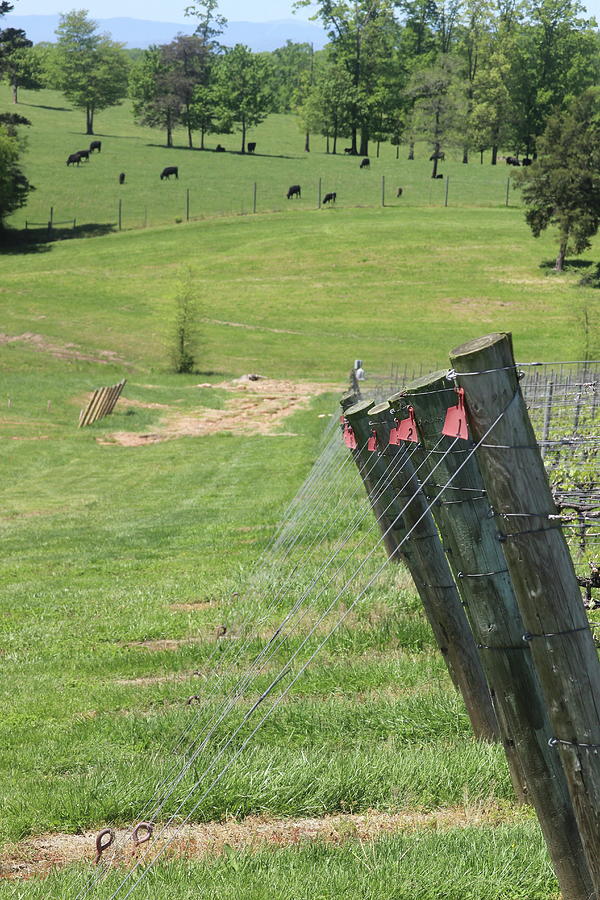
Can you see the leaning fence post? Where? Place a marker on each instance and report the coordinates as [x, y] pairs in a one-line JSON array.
[[471, 535], [424, 556], [447, 186], [541, 569]]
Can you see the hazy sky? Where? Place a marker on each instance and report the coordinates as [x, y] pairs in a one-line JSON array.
[[162, 10], [169, 11]]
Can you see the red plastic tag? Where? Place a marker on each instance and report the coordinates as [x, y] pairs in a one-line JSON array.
[[372, 444], [407, 428], [455, 425], [349, 439], [394, 434]]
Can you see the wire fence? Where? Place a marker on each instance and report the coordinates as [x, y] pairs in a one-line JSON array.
[[172, 203]]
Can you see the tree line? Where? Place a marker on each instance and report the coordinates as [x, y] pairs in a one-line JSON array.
[[478, 74]]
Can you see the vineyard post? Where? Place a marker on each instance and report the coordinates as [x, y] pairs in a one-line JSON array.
[[541, 569], [424, 556], [471, 535]]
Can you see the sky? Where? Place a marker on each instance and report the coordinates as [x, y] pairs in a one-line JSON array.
[[172, 10], [163, 10]]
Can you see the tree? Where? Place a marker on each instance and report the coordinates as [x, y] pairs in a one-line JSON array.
[[14, 186], [291, 64], [360, 32], [437, 104], [89, 68], [325, 107], [17, 63], [243, 89], [185, 334], [153, 92], [187, 63], [562, 187]]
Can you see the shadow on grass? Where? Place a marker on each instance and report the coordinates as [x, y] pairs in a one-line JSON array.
[[224, 152], [568, 264], [39, 240], [44, 106]]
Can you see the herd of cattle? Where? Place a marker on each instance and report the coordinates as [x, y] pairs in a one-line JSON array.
[[294, 190]]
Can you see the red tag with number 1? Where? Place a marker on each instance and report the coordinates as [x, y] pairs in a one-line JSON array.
[[455, 425]]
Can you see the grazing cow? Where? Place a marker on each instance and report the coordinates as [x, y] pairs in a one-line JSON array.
[[437, 176], [512, 161], [399, 192], [73, 158], [122, 178], [84, 154], [330, 198], [365, 163], [294, 191], [348, 150], [526, 161], [219, 149], [439, 155], [168, 171], [251, 146], [96, 145]]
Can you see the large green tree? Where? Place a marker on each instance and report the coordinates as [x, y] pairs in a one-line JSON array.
[[18, 62], [438, 104], [153, 92], [14, 186], [243, 89], [90, 69], [361, 33], [562, 187]]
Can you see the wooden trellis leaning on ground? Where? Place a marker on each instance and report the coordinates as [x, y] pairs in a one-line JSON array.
[[102, 403]]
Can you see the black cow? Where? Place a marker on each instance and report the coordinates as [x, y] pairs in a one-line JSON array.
[[399, 192], [294, 191], [122, 178], [73, 158], [365, 163], [526, 161], [512, 161], [439, 155], [437, 176], [96, 145], [251, 146], [168, 171], [219, 149], [84, 154], [330, 198], [348, 150]]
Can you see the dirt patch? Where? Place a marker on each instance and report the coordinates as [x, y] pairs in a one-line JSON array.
[[62, 351], [255, 407], [191, 607], [38, 856]]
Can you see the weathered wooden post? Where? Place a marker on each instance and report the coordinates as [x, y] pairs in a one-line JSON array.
[[540, 565], [477, 559], [424, 557]]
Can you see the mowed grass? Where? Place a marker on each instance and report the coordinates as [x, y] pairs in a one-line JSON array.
[[220, 183], [120, 563]]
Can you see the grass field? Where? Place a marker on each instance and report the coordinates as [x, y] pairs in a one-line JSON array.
[[218, 183], [122, 551]]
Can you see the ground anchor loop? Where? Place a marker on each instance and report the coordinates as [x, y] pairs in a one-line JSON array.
[[101, 845], [146, 827]]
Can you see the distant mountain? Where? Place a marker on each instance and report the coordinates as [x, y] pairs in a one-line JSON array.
[[141, 33]]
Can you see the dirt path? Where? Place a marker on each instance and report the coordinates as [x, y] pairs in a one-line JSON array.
[[39, 855], [254, 407]]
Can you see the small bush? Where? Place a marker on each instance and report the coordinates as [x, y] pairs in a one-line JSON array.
[[185, 341]]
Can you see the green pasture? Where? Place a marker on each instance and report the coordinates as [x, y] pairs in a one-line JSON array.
[[121, 563], [220, 183]]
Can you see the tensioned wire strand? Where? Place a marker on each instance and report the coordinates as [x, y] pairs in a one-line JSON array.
[[258, 665], [242, 686], [261, 661], [306, 639], [276, 680]]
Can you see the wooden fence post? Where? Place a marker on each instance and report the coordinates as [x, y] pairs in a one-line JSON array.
[[541, 568], [471, 536], [424, 556]]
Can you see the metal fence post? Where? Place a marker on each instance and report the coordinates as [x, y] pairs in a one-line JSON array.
[[254, 199], [447, 186]]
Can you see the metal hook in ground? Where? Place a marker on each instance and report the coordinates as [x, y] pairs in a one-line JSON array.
[[148, 827], [100, 846]]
